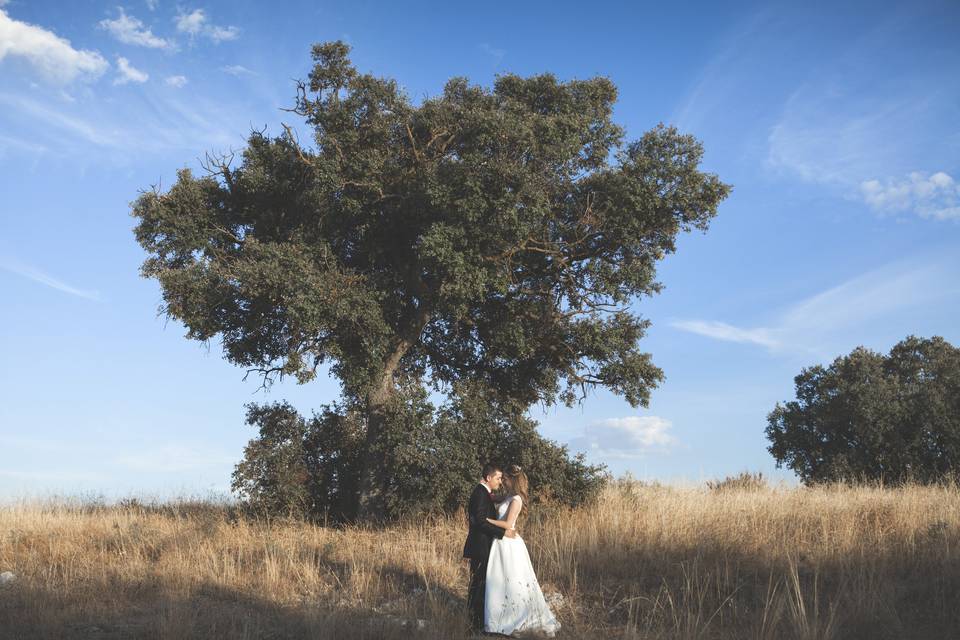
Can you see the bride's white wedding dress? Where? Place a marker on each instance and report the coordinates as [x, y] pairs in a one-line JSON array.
[[513, 601]]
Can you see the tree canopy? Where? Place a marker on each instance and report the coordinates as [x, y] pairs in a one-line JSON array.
[[894, 418], [492, 235]]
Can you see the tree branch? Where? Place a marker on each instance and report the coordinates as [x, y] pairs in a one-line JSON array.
[[296, 143]]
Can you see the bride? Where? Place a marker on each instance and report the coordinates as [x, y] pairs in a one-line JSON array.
[[513, 600]]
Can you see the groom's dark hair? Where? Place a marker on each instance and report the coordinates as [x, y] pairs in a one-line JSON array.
[[489, 469]]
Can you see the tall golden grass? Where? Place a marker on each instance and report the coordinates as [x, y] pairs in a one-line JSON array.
[[644, 561]]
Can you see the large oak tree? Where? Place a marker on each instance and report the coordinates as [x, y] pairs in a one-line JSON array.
[[495, 235]]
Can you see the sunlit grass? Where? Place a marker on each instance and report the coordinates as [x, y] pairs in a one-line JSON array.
[[643, 562]]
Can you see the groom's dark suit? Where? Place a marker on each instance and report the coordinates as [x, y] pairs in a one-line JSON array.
[[477, 548]]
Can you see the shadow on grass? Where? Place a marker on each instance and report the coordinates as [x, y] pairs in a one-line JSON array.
[[113, 610], [671, 591]]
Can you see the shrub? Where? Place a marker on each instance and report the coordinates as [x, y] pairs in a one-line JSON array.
[[744, 481], [311, 468]]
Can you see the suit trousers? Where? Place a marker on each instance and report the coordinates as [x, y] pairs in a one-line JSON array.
[[475, 596]]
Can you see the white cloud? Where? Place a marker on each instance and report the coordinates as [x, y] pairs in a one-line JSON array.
[[176, 81], [196, 23], [128, 73], [237, 70], [32, 273], [802, 327], [130, 30], [152, 4], [628, 437], [219, 34], [936, 196], [52, 56], [191, 23]]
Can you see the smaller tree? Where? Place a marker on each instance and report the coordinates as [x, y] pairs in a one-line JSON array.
[[892, 418], [272, 477]]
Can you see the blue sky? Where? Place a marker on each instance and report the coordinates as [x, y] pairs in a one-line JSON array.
[[839, 127]]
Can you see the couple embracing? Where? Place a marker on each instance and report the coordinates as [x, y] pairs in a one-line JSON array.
[[504, 596]]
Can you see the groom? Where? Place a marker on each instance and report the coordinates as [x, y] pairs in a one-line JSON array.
[[480, 537]]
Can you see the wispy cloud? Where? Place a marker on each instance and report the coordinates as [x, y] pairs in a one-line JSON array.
[[26, 145], [32, 273], [176, 81], [830, 134], [127, 73], [73, 125], [936, 196], [152, 122], [805, 325], [495, 52], [196, 23], [238, 70], [857, 119], [839, 118], [131, 30], [728, 332], [52, 56], [723, 76], [627, 437]]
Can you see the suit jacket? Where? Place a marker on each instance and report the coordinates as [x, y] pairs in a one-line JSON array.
[[481, 533]]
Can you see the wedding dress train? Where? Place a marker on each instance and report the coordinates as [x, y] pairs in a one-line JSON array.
[[513, 601]]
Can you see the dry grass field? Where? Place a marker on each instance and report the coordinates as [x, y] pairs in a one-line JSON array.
[[644, 562]]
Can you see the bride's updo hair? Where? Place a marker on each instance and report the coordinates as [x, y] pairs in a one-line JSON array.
[[515, 482]]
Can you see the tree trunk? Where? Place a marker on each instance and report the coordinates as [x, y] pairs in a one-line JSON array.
[[372, 499]]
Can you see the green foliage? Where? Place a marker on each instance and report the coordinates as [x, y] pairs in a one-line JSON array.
[[311, 468], [272, 477], [744, 481], [477, 425], [893, 418]]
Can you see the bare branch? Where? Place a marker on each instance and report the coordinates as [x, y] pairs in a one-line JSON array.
[[296, 143], [267, 381], [413, 144]]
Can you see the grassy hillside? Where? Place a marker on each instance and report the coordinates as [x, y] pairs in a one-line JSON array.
[[644, 562]]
